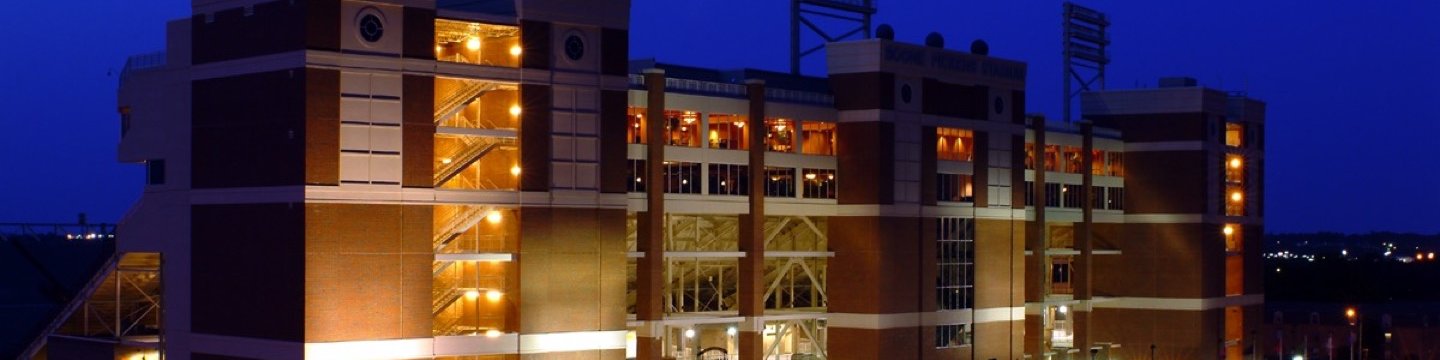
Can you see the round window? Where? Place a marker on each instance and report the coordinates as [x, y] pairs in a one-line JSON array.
[[371, 28], [574, 47], [905, 93]]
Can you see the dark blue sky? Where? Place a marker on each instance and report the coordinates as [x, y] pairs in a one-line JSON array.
[[1353, 91]]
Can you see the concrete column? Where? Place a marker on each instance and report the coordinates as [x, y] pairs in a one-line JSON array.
[[650, 276], [752, 232]]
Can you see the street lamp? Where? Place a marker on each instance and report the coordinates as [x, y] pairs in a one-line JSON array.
[[1355, 319]]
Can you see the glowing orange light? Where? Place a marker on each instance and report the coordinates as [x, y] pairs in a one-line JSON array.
[[492, 333], [515, 50], [493, 217], [1236, 197], [1229, 230], [473, 44], [515, 110], [494, 295], [515, 170], [472, 294], [1234, 163]]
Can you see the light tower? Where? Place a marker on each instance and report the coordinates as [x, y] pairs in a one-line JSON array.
[[853, 18], [1083, 42]]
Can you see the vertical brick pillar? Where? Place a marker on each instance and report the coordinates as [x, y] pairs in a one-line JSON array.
[[650, 275], [1036, 265], [752, 232], [1083, 277]]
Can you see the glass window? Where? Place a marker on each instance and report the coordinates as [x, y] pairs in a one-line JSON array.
[[949, 336], [635, 170], [819, 183], [1030, 156], [477, 104], [1115, 164], [780, 135], [1029, 193], [1234, 134], [682, 178], [818, 138], [1234, 169], [635, 133], [954, 144], [1072, 195], [728, 132], [155, 172], [1052, 195], [477, 43], [1115, 198], [1073, 161], [1052, 158], [1234, 200], [1097, 162], [1060, 276], [955, 187], [955, 280], [728, 179], [780, 182], [682, 128]]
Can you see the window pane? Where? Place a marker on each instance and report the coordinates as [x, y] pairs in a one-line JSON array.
[[728, 132], [780, 182], [819, 183], [682, 128], [780, 135], [727, 179], [954, 144], [477, 43], [682, 178], [635, 133], [819, 138]]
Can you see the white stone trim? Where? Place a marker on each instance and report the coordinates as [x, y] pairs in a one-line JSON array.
[[373, 349], [572, 341]]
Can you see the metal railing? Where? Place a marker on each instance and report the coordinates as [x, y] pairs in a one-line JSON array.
[[141, 62]]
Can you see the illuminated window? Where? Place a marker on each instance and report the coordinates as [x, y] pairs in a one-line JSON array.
[[476, 104], [1052, 158], [728, 132], [955, 260], [949, 336], [1234, 134], [1234, 201], [1074, 162], [1097, 162], [819, 183], [955, 187], [779, 135], [1234, 261], [1060, 273], [780, 182], [954, 144], [1234, 169], [682, 128], [476, 162], [682, 178], [1115, 164], [477, 43], [635, 129], [727, 179], [817, 138], [1029, 156]]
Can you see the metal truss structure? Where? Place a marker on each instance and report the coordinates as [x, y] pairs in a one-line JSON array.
[[855, 15], [1083, 42]]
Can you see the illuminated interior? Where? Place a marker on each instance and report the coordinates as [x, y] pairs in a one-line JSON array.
[[779, 135], [1052, 158], [1234, 200], [819, 183], [1234, 134], [1074, 162], [1029, 156], [728, 132], [477, 43], [682, 128], [955, 187], [1234, 169], [1234, 261], [476, 104], [954, 144], [818, 138], [465, 162], [635, 132], [1115, 164], [469, 296]]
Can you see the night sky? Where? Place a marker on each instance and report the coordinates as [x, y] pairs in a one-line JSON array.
[[1353, 91]]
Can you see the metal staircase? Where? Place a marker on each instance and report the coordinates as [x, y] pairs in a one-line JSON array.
[[475, 148], [458, 224], [76, 303], [468, 92]]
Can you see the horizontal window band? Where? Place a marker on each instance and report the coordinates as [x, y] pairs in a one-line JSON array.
[[366, 123], [369, 96], [369, 152]]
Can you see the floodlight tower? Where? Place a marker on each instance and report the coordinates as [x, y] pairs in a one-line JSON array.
[[1084, 42], [855, 16]]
